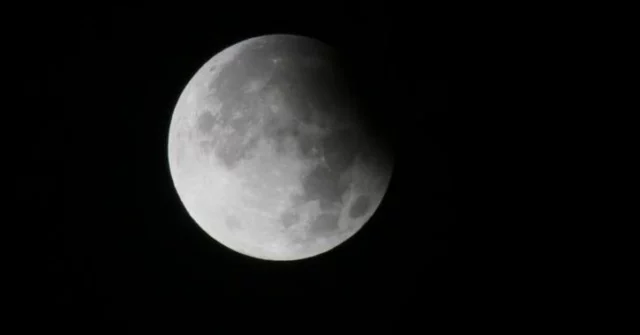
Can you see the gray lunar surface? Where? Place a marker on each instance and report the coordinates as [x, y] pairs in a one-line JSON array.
[[267, 154]]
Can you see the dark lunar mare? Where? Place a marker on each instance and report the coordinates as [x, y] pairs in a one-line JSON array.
[[325, 224], [360, 206], [233, 223], [290, 217], [205, 121]]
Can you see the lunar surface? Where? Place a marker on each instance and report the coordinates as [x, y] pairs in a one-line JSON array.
[[269, 152]]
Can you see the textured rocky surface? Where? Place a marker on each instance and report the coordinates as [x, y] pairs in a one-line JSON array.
[[268, 153]]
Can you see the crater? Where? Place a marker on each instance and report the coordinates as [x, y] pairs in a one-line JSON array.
[[360, 206]]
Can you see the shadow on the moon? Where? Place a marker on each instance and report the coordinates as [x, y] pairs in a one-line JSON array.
[[323, 184], [299, 105]]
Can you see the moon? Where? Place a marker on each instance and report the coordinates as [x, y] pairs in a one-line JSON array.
[[270, 152]]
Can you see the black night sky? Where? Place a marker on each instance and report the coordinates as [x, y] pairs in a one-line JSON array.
[[118, 242]]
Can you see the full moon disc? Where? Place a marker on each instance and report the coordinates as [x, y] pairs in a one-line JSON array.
[[270, 152]]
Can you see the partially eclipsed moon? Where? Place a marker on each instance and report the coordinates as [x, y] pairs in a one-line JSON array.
[[268, 152]]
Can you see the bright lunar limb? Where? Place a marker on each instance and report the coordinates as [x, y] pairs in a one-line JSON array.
[[268, 151]]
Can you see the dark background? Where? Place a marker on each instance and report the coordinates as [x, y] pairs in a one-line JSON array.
[[102, 83]]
